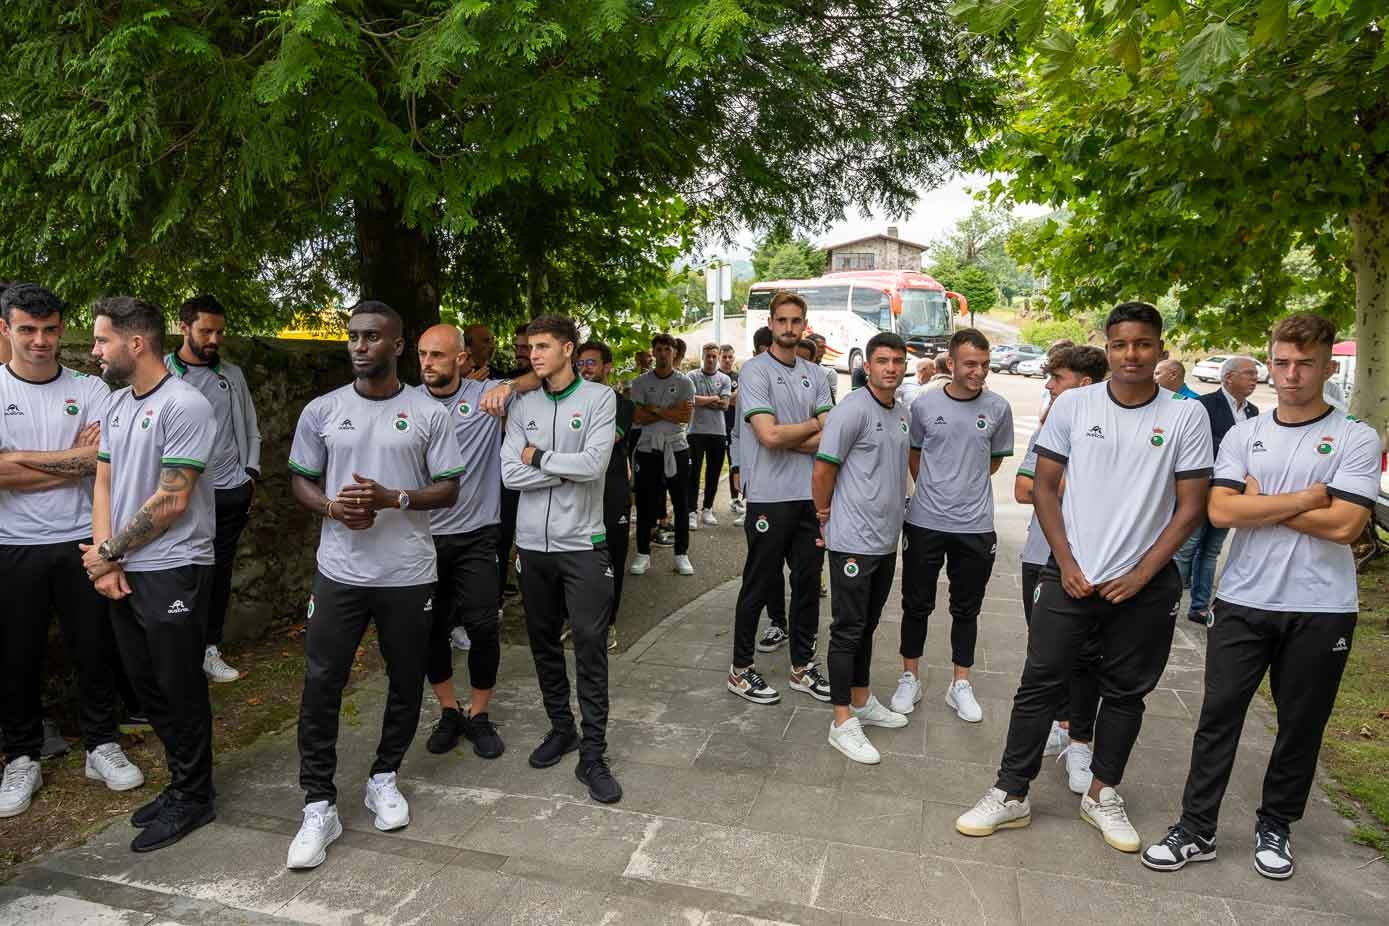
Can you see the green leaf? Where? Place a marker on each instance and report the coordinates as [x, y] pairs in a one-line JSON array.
[[1058, 54], [1215, 47], [1273, 22], [1124, 49]]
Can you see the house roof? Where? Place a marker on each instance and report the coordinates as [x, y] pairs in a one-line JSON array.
[[845, 244]]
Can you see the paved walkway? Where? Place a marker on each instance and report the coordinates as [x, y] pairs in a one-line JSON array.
[[734, 813]]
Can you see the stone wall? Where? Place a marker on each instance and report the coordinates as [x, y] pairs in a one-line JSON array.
[[275, 565], [888, 254]]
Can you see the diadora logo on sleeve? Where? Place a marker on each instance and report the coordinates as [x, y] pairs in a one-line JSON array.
[[346, 425], [1095, 431], [1258, 447], [940, 419], [532, 426], [12, 409], [402, 421]]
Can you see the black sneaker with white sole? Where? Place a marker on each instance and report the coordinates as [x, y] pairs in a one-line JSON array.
[[1178, 847], [1273, 853], [811, 682], [774, 639], [750, 686]]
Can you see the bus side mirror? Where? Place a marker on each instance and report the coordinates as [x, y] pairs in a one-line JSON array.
[[961, 300]]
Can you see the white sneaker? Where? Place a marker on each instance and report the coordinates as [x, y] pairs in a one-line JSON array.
[[848, 738], [1057, 740], [108, 763], [994, 812], [739, 521], [215, 668], [1078, 774], [694, 521], [1109, 817], [640, 563], [875, 714], [707, 517], [737, 506], [22, 779], [385, 800], [960, 696], [458, 639], [906, 696], [683, 565], [321, 827]]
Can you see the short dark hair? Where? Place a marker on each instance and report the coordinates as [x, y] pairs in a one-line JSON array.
[[521, 329], [783, 296], [30, 298], [943, 364], [188, 312], [1145, 313], [680, 346], [1304, 330], [376, 307], [662, 338], [468, 338], [762, 337], [816, 337], [884, 339], [724, 347], [1082, 359], [603, 350], [129, 315], [971, 336], [807, 344], [559, 325]]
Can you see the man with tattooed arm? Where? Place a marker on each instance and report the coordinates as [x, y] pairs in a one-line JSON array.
[[153, 521], [48, 446]]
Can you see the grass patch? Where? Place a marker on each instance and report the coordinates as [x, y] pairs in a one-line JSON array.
[[69, 808]]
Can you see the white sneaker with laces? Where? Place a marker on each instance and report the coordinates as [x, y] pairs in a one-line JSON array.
[[960, 696], [694, 521], [640, 563], [1057, 740], [741, 519], [848, 738], [906, 696], [22, 779], [385, 800], [458, 639], [109, 763], [1109, 817], [1078, 774], [737, 506], [707, 517], [216, 668], [875, 714], [320, 828], [994, 812], [683, 565]]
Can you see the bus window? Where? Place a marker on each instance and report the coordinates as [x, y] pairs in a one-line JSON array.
[[825, 298], [759, 300], [873, 306], [925, 313]]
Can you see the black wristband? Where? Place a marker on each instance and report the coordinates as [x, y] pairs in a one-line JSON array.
[[535, 457]]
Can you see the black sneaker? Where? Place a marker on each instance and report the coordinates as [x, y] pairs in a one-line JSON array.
[[176, 819], [1273, 854], [774, 639], [554, 747], [1178, 847], [446, 732], [482, 733], [751, 686], [1199, 617], [53, 743], [596, 775], [663, 538], [811, 682], [144, 816]]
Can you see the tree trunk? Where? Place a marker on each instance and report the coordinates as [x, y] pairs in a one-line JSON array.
[[537, 283], [399, 265], [1370, 261]]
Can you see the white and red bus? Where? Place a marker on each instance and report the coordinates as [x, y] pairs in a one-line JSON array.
[[851, 306]]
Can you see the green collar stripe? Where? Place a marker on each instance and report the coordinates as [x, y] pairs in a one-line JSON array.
[[566, 392], [182, 368]]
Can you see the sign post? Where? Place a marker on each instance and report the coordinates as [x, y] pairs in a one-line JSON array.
[[718, 289]]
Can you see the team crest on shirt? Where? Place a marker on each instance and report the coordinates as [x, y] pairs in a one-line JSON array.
[[222, 384], [762, 525], [464, 409], [903, 422], [1258, 447], [1037, 593], [1157, 440], [805, 381], [71, 407], [851, 568], [1325, 447], [148, 420], [12, 409], [308, 615], [981, 422], [576, 422], [402, 422]]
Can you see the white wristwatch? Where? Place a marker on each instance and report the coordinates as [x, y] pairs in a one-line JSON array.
[[402, 501]]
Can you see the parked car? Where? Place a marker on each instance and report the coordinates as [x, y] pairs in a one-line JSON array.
[[1033, 366], [1208, 370], [1008, 360]]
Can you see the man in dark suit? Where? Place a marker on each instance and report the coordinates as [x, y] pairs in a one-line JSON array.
[[1197, 557]]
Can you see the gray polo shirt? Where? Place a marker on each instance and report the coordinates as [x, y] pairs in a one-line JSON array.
[[1035, 551], [224, 468], [662, 392], [1122, 466], [170, 426], [1276, 568], [959, 440], [790, 394], [710, 420], [403, 442], [868, 442], [480, 444], [43, 417]]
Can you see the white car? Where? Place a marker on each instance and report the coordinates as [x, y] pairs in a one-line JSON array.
[[1033, 366], [1208, 370]]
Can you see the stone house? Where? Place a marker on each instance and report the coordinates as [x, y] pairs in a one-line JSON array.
[[876, 252]]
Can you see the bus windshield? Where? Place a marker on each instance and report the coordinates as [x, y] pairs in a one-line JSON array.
[[925, 314]]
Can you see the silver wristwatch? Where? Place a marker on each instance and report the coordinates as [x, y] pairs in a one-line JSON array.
[[402, 501]]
